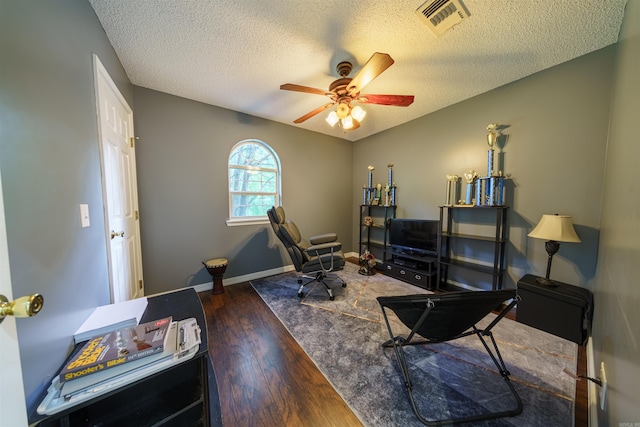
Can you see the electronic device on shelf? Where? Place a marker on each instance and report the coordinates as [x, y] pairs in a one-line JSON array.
[[405, 263]]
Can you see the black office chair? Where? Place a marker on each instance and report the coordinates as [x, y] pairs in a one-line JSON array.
[[315, 259], [445, 317]]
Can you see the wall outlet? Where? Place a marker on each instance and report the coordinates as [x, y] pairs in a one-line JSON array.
[[603, 388]]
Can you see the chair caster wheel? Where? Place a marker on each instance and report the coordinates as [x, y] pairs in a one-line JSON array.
[[299, 281], [344, 285], [300, 294], [331, 298]]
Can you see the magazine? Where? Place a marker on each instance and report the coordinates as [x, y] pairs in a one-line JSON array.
[[116, 348]]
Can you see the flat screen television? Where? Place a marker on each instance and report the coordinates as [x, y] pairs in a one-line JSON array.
[[414, 236]]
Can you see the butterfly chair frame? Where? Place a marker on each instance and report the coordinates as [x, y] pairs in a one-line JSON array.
[[445, 317]]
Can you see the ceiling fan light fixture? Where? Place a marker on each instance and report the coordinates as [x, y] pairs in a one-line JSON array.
[[343, 110], [332, 118], [349, 123], [358, 113], [345, 92]]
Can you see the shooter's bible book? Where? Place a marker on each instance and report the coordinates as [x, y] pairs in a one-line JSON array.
[[117, 347]]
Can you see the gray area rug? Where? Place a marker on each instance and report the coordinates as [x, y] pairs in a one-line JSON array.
[[452, 379]]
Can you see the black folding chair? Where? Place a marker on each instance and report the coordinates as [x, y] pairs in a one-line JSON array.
[[445, 317]]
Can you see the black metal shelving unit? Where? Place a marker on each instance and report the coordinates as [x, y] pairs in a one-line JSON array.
[[449, 240], [375, 237]]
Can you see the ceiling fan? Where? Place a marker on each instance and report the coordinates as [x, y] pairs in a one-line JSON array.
[[345, 92]]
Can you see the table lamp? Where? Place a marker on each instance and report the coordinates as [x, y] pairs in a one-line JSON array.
[[554, 229]]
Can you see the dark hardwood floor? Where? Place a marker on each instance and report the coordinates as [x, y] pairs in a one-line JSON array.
[[266, 379]]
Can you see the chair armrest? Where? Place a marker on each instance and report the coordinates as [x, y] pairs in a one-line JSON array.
[[323, 238], [324, 248]]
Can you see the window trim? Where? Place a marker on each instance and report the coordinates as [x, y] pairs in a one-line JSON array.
[[252, 220]]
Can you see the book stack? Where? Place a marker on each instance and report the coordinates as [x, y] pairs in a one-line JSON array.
[[96, 360], [116, 348], [114, 359]]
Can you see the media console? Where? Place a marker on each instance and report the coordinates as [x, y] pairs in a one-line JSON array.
[[413, 251], [417, 268]]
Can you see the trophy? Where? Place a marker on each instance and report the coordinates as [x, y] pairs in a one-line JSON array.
[[367, 192], [392, 186], [470, 176], [452, 189], [492, 138]]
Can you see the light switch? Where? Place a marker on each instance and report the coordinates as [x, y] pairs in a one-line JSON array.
[[84, 215]]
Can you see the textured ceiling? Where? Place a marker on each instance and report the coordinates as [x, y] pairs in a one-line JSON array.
[[236, 54]]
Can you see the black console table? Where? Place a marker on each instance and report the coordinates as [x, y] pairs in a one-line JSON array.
[[178, 395]]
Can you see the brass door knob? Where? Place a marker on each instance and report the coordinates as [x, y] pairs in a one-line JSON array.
[[26, 306], [114, 234]]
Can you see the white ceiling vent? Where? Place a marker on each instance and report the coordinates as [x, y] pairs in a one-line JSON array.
[[441, 15]]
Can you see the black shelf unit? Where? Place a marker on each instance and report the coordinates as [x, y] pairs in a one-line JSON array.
[[375, 237], [183, 394], [449, 242]]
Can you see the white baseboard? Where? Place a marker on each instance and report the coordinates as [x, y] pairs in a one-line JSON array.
[[592, 390], [207, 286], [351, 255], [245, 278]]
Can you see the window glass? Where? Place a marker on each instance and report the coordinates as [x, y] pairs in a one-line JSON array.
[[254, 181]]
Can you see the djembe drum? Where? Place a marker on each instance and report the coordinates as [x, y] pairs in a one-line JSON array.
[[216, 268]]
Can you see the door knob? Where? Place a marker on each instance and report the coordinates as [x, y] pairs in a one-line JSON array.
[[114, 234], [26, 306]]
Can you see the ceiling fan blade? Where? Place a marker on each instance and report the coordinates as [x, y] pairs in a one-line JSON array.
[[372, 69], [313, 113], [396, 100], [305, 89]]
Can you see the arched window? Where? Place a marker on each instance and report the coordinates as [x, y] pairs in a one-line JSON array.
[[254, 182]]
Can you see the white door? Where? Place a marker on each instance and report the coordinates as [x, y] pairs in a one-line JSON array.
[[13, 407], [119, 188]]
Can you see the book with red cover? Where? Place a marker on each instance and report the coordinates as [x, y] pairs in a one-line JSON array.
[[117, 347]]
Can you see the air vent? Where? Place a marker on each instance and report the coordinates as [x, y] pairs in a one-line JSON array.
[[441, 15]]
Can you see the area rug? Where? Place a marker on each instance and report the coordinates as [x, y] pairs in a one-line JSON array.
[[452, 379]]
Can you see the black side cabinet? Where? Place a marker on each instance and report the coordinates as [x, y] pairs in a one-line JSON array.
[[563, 310], [176, 396]]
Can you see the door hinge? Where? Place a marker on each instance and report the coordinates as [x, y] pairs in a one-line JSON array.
[[139, 284], [131, 139], [137, 216]]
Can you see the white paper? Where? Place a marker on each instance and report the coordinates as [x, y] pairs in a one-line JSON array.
[[111, 315]]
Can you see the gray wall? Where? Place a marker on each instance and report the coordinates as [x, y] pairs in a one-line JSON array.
[[183, 191], [50, 164], [616, 329], [558, 121]]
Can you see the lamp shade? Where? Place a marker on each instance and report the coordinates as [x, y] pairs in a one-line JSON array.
[[358, 113], [332, 118], [555, 227]]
